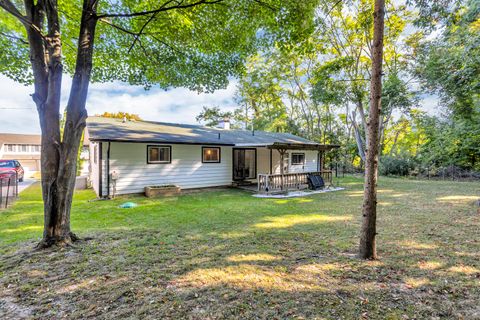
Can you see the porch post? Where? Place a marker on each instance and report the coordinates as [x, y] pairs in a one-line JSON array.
[[318, 161], [321, 162], [271, 170], [282, 154]]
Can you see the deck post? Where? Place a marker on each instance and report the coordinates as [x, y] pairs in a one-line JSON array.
[[320, 161], [282, 154], [271, 161]]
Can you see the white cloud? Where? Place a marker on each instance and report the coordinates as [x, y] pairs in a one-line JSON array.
[[18, 113]]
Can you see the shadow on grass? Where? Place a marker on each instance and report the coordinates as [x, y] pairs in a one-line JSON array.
[[197, 257]]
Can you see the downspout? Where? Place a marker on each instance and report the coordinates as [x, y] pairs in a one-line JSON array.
[[108, 170], [100, 173]]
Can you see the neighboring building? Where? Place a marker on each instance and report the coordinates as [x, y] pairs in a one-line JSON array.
[[22, 147], [144, 153]]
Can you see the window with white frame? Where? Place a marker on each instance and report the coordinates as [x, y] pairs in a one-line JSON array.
[[298, 158], [159, 154]]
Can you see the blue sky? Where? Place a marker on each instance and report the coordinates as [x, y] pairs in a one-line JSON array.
[[18, 113]]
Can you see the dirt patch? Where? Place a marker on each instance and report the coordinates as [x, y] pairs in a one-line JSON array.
[[12, 310]]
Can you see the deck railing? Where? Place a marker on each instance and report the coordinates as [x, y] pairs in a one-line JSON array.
[[289, 181]]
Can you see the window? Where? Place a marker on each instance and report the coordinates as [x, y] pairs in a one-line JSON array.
[[36, 148], [11, 148], [298, 158], [23, 147], [159, 154], [210, 155]]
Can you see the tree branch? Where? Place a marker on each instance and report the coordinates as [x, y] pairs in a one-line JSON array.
[[8, 6], [155, 11], [137, 36], [117, 27], [263, 4], [14, 37]]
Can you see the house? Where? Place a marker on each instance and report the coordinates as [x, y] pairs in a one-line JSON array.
[[145, 153], [22, 147], [26, 148]]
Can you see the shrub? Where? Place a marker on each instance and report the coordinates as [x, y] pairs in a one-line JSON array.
[[395, 166]]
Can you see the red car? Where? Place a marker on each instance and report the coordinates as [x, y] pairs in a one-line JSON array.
[[11, 166]]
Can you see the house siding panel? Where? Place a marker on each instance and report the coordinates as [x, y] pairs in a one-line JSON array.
[[94, 172], [309, 165], [185, 170], [263, 161]]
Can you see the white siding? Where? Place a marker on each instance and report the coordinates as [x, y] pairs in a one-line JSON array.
[[186, 169], [94, 167], [309, 165], [263, 161]]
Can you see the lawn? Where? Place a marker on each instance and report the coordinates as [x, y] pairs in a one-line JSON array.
[[224, 254]]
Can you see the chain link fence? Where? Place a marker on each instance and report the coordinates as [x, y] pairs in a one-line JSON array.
[[8, 189], [452, 173], [446, 173]]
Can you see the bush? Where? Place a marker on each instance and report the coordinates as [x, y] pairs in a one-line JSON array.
[[395, 166]]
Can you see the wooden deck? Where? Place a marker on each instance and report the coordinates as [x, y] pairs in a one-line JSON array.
[[270, 183]]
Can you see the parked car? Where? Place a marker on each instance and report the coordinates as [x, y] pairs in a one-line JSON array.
[[12, 166]]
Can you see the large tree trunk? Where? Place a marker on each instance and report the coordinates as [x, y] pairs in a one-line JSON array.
[[59, 154], [368, 233]]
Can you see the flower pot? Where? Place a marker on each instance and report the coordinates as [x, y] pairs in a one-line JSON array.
[[162, 191]]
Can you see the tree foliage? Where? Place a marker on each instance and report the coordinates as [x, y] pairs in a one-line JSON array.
[[197, 44], [318, 88], [120, 115], [212, 116]]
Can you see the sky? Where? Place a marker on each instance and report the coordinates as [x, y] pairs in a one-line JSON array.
[[19, 115]]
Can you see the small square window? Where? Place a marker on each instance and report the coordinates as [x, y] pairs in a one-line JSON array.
[[24, 147], [159, 154], [210, 155], [298, 158]]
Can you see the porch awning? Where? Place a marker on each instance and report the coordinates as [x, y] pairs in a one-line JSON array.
[[302, 146]]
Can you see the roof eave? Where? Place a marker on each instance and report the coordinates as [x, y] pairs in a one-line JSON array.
[[303, 146], [161, 142]]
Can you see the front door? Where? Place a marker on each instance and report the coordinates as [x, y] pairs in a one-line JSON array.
[[244, 164]]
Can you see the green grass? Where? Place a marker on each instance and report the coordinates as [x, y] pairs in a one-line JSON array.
[[224, 254]]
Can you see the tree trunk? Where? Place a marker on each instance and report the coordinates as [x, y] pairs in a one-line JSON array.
[[367, 248], [358, 137], [59, 155]]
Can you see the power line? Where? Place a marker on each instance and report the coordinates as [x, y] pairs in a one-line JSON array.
[[7, 108]]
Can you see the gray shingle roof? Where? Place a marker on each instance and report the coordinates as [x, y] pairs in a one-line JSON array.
[[108, 129]]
